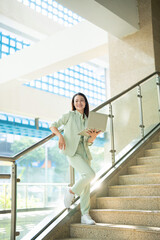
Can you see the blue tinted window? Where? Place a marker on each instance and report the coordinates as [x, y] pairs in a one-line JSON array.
[[53, 10]]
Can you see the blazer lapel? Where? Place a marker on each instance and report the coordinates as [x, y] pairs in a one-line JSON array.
[[78, 122]]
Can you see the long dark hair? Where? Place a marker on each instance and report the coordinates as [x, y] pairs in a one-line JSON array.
[[86, 109]]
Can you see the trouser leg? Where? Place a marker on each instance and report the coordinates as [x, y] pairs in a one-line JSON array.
[[85, 200], [87, 173]]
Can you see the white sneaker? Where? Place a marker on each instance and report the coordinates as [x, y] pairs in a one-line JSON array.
[[86, 219], [68, 198]]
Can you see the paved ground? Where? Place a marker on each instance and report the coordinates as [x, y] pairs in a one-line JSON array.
[[25, 222]]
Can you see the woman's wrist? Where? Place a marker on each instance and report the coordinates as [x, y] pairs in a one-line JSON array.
[[91, 139], [59, 135]]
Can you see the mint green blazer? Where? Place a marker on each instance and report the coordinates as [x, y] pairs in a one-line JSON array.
[[72, 123]]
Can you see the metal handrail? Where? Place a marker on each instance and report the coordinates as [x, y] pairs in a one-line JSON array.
[[46, 139]]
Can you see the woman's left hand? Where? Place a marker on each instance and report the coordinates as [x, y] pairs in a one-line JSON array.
[[93, 134]]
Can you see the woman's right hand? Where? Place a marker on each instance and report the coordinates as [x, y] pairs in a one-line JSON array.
[[61, 143]]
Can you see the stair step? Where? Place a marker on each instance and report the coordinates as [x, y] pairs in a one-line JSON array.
[[156, 145], [152, 152], [134, 190], [138, 169], [147, 178], [138, 203], [114, 232], [129, 217], [154, 160]]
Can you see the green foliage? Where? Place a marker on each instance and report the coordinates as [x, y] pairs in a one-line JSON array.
[[35, 155], [5, 200], [28, 173]]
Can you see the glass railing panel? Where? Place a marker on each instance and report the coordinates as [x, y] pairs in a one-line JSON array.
[[22, 142], [44, 174], [5, 202], [126, 122], [150, 104], [100, 150]]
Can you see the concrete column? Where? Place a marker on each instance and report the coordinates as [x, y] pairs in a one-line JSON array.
[[133, 57], [155, 7]]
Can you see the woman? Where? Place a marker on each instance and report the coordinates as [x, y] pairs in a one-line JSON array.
[[75, 147]]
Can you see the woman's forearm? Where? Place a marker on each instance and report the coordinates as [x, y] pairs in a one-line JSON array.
[[55, 131], [61, 142]]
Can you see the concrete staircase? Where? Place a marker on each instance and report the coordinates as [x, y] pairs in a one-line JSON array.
[[131, 211]]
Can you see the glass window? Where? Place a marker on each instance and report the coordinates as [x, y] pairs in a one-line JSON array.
[[67, 93], [5, 40], [56, 89], [71, 87], [32, 83], [81, 76], [12, 42], [38, 9], [5, 48], [10, 118], [50, 88], [26, 2], [56, 82], [61, 84], [67, 86], [12, 50], [19, 45], [18, 120], [44, 86], [61, 91], [50, 80], [32, 5], [38, 84], [38, 2], [77, 82]]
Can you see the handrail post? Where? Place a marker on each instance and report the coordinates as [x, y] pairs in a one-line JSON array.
[[158, 89], [140, 111], [14, 201], [72, 176], [5, 195], [112, 134]]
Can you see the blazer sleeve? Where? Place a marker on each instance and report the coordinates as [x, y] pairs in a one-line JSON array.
[[62, 121]]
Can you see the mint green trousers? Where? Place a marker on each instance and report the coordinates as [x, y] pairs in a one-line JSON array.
[[81, 164]]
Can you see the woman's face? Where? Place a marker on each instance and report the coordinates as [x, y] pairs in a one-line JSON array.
[[79, 103]]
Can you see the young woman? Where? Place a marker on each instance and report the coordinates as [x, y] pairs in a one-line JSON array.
[[75, 147]]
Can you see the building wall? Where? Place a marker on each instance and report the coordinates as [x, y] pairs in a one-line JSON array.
[[132, 58]]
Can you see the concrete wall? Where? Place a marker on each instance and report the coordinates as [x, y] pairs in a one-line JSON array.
[[155, 6], [132, 58]]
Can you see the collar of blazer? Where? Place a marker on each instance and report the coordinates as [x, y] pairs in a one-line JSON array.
[[80, 114]]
